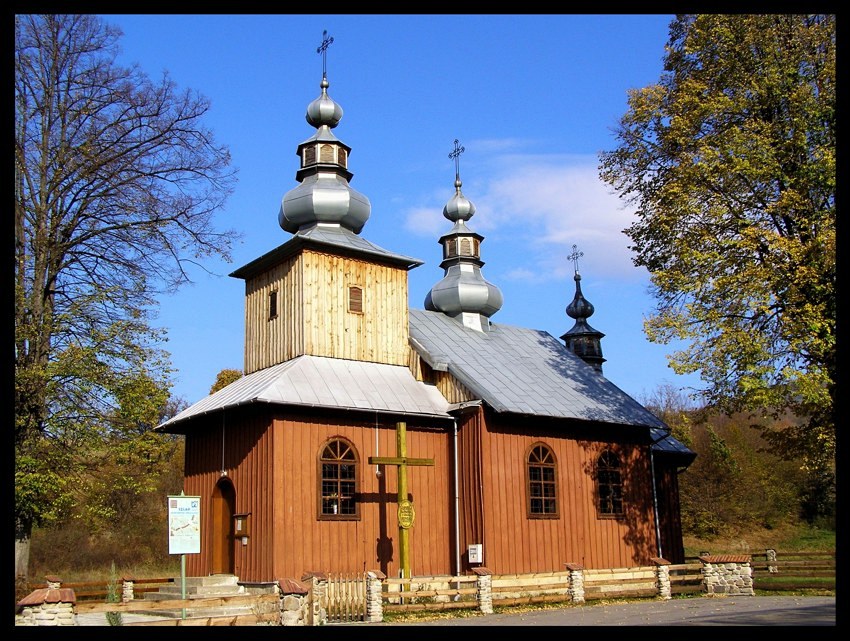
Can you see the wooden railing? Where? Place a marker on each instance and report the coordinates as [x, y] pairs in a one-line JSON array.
[[430, 593], [99, 590]]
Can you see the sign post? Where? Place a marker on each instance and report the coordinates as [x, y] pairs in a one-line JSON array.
[[406, 514], [184, 532]]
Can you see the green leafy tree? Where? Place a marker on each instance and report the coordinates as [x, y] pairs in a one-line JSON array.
[[730, 162], [116, 185], [224, 378]]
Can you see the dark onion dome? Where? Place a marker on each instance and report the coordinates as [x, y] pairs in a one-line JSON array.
[[584, 341]]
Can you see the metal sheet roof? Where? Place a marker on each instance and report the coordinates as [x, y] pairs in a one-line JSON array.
[[325, 237], [315, 381], [665, 443], [525, 371]]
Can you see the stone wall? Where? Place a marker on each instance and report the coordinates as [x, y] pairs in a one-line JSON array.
[[730, 574]]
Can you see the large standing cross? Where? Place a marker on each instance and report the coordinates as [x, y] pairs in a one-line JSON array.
[[406, 514]]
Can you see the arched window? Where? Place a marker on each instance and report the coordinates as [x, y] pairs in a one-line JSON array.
[[326, 153], [609, 484], [542, 486], [338, 481]]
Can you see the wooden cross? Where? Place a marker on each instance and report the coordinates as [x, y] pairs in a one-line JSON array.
[[406, 514]]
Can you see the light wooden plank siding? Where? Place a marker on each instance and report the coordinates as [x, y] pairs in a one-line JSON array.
[[453, 390], [313, 312], [277, 483], [513, 541]]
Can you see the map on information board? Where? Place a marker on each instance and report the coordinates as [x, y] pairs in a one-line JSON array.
[[184, 524]]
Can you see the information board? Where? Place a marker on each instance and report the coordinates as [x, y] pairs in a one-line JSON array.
[[184, 524]]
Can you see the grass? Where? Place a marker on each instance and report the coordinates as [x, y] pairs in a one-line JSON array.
[[799, 538]]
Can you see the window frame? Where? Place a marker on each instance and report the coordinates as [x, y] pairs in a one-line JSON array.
[[547, 462], [323, 482], [358, 309], [274, 304], [609, 485]]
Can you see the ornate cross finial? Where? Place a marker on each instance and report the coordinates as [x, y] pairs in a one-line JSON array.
[[455, 155], [323, 49], [575, 256]]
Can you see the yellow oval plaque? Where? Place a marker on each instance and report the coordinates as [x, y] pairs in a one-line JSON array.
[[405, 514]]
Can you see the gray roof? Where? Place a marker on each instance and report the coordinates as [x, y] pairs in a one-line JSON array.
[[523, 371], [328, 237], [316, 381], [664, 443]]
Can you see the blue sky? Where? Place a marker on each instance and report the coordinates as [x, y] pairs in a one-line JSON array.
[[533, 99]]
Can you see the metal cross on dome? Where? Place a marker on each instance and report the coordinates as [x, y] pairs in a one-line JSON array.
[[323, 49], [575, 256], [455, 155]]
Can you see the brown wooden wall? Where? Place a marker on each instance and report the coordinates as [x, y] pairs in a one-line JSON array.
[[515, 543], [372, 542], [272, 463], [247, 446], [669, 510], [277, 483], [313, 312]]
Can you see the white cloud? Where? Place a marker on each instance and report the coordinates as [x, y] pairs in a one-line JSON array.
[[536, 207]]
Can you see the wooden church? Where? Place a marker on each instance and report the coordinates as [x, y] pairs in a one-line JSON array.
[[368, 435]]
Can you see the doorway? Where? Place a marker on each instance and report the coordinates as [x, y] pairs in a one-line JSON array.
[[223, 509]]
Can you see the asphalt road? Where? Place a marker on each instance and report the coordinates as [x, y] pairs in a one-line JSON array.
[[696, 611]]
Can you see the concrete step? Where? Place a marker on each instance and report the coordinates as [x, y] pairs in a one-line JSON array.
[[216, 585]]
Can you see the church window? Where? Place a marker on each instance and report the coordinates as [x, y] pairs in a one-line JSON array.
[[451, 248], [272, 304], [542, 487], [609, 484], [338, 481], [355, 299], [343, 158], [326, 153], [465, 247], [309, 156]]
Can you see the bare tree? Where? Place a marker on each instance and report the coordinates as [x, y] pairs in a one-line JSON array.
[[117, 182]]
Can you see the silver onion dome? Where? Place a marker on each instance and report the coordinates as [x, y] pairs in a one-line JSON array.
[[459, 207], [324, 110], [324, 195], [463, 293]]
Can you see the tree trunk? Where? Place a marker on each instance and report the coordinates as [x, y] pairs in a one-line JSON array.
[[23, 536]]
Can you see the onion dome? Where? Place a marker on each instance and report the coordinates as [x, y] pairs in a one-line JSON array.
[[584, 341], [324, 195], [463, 293]]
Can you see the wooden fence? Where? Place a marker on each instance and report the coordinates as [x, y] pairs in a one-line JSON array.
[[345, 595]]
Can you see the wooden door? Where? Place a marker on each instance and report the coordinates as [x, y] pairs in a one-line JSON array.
[[223, 509]]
